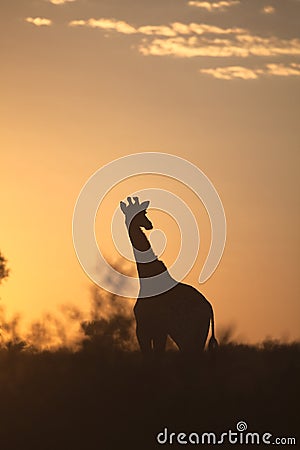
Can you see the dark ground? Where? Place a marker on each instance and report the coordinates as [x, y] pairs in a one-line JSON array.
[[104, 398]]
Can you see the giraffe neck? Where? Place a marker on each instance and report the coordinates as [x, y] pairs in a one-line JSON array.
[[146, 261]]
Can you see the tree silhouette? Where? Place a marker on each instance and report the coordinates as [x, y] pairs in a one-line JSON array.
[[4, 272], [111, 326]]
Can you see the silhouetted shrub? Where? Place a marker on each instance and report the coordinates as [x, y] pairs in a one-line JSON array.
[[4, 271], [112, 325]]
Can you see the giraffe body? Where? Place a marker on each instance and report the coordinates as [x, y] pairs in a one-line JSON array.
[[177, 310]]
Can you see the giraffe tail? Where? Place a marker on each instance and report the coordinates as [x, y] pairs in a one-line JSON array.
[[213, 343]]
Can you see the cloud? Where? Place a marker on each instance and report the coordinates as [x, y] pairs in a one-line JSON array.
[[214, 6], [171, 30], [39, 21], [271, 46], [231, 72], [105, 24], [190, 40], [78, 23], [192, 47], [160, 30], [244, 73], [268, 10], [197, 39], [284, 71], [202, 28], [236, 42], [60, 2]]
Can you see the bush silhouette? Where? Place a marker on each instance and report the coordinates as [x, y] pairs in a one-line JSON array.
[[4, 271]]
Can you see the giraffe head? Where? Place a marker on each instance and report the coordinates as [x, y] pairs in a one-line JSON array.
[[135, 213]]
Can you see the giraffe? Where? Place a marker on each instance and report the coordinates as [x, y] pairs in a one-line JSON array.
[[178, 310]]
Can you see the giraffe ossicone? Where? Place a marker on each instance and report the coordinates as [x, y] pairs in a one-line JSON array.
[[133, 208]]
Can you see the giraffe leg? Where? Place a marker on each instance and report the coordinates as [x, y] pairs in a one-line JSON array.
[[159, 343], [144, 340]]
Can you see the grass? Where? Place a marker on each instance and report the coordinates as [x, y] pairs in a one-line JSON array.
[[102, 397]]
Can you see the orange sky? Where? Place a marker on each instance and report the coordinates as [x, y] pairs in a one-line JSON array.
[[74, 98]]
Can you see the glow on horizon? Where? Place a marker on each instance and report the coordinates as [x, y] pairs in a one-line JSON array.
[[75, 99]]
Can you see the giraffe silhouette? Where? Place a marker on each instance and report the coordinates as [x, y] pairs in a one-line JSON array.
[[164, 306]]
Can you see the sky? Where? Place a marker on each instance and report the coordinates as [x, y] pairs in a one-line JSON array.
[[84, 82]]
